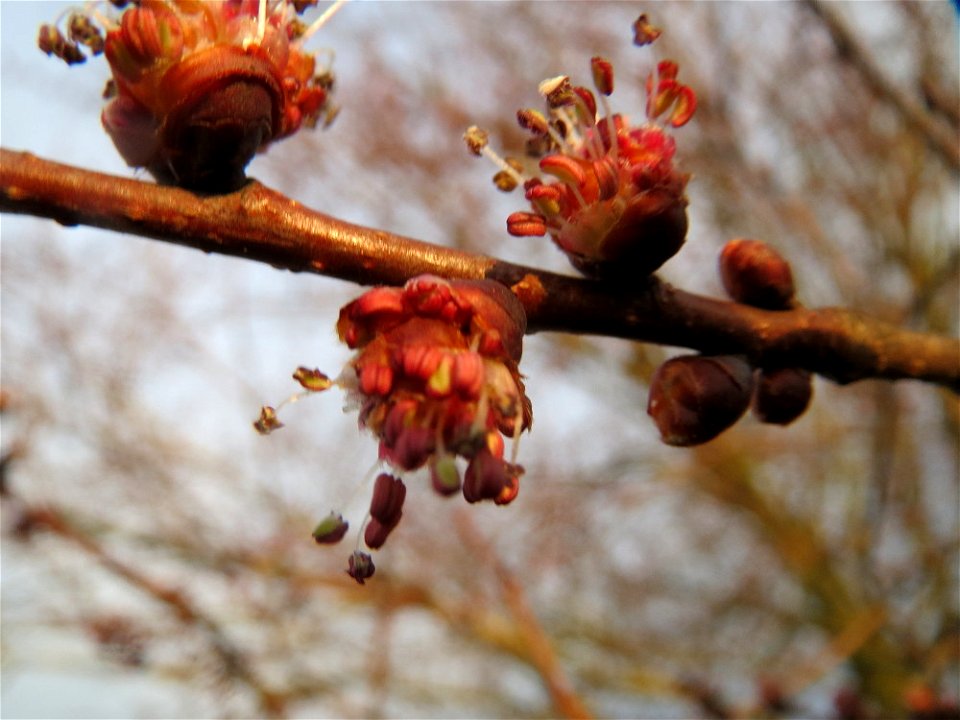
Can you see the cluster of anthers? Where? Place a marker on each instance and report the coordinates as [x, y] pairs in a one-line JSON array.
[[435, 379], [616, 204], [200, 86]]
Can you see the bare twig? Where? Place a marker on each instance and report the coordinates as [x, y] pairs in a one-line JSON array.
[[234, 662], [540, 652], [261, 224], [940, 137]]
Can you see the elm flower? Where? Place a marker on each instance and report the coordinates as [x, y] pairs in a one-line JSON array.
[[200, 86], [613, 199], [435, 379]]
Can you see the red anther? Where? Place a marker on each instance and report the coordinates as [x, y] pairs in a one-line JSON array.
[[376, 379], [567, 169], [602, 70], [389, 492], [524, 224]]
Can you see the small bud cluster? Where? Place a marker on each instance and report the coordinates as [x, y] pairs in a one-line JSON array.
[[755, 274], [436, 380], [614, 202], [695, 398], [199, 87]]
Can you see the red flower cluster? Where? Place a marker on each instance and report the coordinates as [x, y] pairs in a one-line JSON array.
[[435, 377], [199, 86], [616, 204]]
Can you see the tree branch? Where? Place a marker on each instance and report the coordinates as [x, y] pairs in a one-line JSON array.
[[940, 137], [261, 224]]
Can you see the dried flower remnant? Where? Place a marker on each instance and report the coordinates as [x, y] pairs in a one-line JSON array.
[[614, 200], [199, 87], [435, 378]]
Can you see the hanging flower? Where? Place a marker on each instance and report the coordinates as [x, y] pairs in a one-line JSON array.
[[200, 86], [613, 199], [435, 379]]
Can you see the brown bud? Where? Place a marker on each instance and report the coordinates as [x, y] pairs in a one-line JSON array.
[[754, 273], [781, 395], [694, 398]]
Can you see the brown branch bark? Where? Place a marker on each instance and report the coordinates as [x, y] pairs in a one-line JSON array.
[[261, 224]]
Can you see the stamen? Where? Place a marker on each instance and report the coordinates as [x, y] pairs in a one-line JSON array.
[[261, 21], [320, 21], [362, 486], [517, 429], [559, 139], [106, 22]]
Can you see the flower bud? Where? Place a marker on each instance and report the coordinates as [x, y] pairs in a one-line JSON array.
[[755, 274], [694, 398], [781, 395]]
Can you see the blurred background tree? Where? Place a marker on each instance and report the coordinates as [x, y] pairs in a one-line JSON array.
[[157, 558]]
